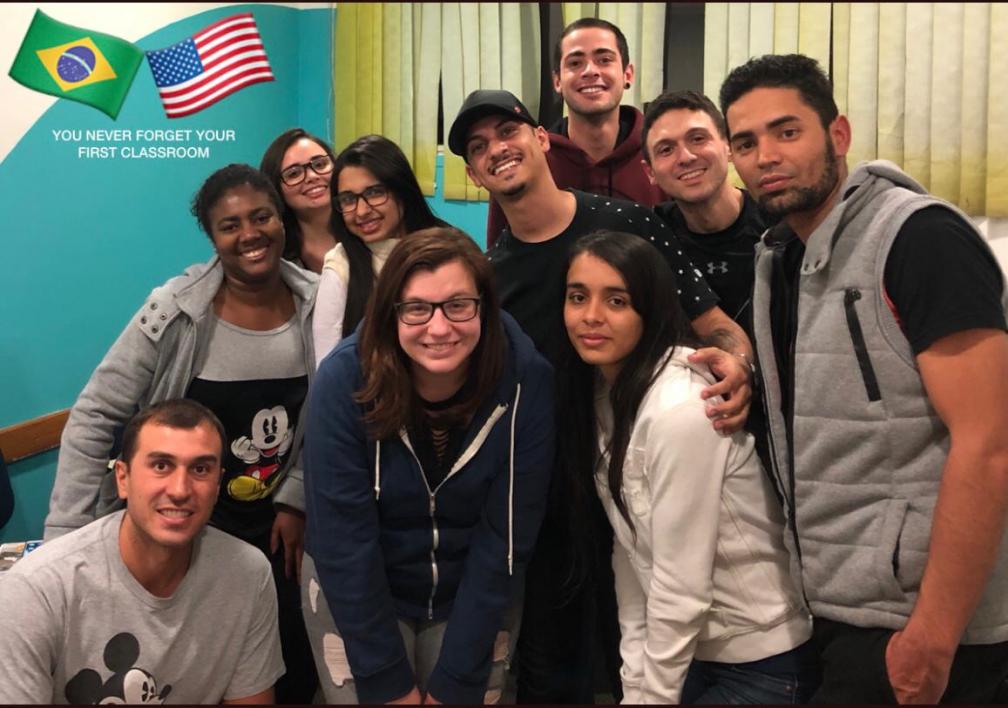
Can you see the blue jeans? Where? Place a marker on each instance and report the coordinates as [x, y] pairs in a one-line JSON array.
[[791, 677]]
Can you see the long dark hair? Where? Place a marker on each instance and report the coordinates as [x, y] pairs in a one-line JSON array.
[[652, 288], [271, 164], [388, 393], [382, 158]]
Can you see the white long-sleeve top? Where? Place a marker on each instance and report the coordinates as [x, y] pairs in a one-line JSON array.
[[707, 575], [330, 303]]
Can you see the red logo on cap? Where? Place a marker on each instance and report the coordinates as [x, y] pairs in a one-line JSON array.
[[517, 109]]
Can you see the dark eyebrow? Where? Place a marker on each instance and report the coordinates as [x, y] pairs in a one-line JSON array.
[[206, 460], [606, 289], [775, 123], [781, 121]]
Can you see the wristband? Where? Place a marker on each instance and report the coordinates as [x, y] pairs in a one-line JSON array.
[[750, 364]]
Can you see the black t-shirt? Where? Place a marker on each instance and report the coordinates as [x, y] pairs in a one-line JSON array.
[[438, 442], [531, 277], [259, 418], [938, 276], [726, 258]]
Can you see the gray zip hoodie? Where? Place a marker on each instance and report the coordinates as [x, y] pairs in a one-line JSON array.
[[154, 359]]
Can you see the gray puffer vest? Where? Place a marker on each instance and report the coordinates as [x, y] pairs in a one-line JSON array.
[[868, 447]]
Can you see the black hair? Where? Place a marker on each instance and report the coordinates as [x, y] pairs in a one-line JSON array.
[[271, 165], [678, 100], [795, 71], [178, 413], [651, 285], [229, 177], [382, 158], [584, 22]]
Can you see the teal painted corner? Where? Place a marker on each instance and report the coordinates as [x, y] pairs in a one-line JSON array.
[[470, 217]]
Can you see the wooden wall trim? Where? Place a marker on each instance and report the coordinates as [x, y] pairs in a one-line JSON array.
[[31, 437]]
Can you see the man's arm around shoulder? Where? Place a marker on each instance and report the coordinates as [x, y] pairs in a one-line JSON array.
[[730, 358]]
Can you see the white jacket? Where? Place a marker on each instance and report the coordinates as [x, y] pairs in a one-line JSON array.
[[707, 575]]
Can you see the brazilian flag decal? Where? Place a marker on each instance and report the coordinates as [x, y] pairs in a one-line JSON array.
[[70, 62]]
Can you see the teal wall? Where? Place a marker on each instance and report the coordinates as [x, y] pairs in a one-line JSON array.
[[86, 240], [471, 217]]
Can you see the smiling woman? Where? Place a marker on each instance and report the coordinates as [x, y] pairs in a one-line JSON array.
[[192, 339], [427, 459], [300, 166], [375, 202]]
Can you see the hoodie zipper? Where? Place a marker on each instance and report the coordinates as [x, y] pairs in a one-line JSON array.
[[851, 296], [471, 450], [788, 486]]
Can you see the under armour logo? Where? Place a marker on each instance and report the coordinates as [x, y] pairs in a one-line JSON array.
[[713, 268]]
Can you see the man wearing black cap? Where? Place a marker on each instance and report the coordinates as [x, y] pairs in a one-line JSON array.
[[505, 152]]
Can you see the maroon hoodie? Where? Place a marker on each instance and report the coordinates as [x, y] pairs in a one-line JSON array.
[[619, 174]]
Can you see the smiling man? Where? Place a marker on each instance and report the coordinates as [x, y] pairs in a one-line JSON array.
[[881, 336], [505, 152], [597, 147], [147, 603], [686, 153]]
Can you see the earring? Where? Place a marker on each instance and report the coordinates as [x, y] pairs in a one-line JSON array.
[[626, 85]]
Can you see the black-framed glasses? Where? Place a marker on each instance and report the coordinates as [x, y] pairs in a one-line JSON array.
[[375, 195], [295, 174], [418, 312]]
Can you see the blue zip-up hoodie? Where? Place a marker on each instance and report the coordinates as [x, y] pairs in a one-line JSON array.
[[385, 546]]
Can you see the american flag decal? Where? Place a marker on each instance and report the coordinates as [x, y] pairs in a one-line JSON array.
[[214, 63]]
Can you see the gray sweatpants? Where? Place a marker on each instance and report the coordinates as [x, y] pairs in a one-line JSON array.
[[421, 637]]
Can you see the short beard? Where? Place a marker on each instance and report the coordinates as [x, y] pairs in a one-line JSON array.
[[514, 191], [802, 199]]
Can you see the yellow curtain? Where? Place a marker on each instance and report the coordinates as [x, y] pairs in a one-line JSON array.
[[736, 32], [917, 80], [939, 112], [643, 24], [390, 57], [385, 78]]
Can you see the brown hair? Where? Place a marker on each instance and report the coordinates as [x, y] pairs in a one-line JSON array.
[[178, 413], [388, 393]]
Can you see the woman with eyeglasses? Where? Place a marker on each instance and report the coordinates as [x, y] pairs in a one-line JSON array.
[[428, 453], [375, 202], [707, 609], [300, 166]]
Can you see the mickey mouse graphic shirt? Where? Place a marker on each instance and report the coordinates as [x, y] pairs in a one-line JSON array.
[[256, 382], [78, 628]]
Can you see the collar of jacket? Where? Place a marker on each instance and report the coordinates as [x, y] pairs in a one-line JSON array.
[[625, 151], [193, 291]]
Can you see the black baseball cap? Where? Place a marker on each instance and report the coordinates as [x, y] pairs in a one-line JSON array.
[[480, 104]]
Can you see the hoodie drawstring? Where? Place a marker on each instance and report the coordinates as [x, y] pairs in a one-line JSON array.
[[377, 470], [514, 415]]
